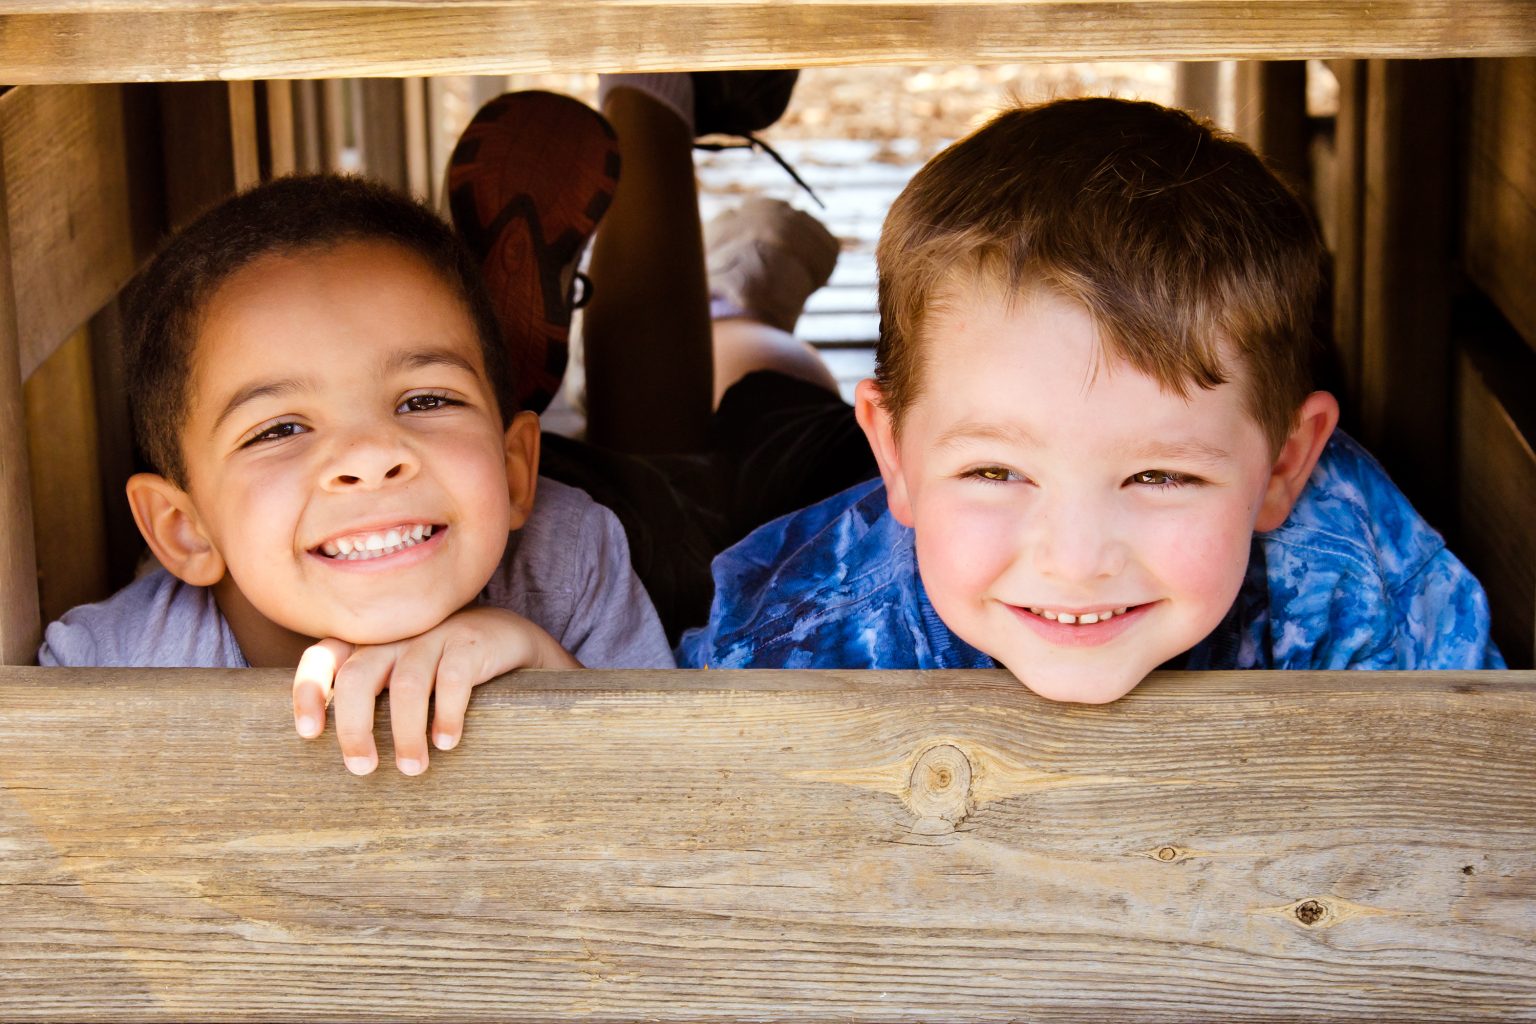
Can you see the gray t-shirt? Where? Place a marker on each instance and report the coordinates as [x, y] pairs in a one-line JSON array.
[[567, 569]]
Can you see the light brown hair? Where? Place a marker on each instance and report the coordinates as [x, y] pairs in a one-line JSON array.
[[1177, 239]]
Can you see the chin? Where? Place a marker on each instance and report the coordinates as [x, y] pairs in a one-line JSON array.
[[1072, 689], [385, 629]]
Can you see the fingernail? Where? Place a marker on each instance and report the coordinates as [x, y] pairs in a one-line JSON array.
[[443, 741], [411, 766], [359, 765], [308, 727]]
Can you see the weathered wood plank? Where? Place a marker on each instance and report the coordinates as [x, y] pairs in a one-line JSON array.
[[130, 40], [785, 846], [20, 627], [1496, 441], [1346, 194], [1501, 189], [70, 176], [1408, 269], [1272, 116], [211, 145], [67, 509]]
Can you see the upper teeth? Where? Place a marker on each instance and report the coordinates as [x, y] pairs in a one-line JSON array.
[[1081, 619], [376, 545]]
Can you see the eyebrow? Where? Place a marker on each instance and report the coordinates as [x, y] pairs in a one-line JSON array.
[[1187, 450], [1012, 434], [405, 359]]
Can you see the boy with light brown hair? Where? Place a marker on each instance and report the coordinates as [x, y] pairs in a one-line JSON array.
[[1101, 445]]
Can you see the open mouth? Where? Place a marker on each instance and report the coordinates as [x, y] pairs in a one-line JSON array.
[[1081, 618], [359, 547]]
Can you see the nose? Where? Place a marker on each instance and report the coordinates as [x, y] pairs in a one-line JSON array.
[[367, 460], [1076, 540]]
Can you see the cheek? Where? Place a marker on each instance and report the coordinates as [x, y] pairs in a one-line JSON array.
[[964, 545], [1204, 554]]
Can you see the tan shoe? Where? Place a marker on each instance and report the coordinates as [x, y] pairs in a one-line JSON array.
[[765, 258]]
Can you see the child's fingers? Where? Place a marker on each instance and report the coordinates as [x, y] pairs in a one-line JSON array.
[[410, 688], [312, 685], [457, 675], [359, 681]]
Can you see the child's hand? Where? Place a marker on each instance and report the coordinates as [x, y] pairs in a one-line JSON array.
[[451, 659]]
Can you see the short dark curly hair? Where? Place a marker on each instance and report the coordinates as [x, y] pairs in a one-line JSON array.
[[165, 304]]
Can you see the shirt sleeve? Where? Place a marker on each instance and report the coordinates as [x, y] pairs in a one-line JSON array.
[[1443, 621], [613, 623]]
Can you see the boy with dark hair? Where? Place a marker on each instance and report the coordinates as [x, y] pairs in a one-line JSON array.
[[1100, 445], [341, 481]]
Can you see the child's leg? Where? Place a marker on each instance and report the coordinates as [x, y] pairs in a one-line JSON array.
[[656, 364], [765, 258], [646, 332]]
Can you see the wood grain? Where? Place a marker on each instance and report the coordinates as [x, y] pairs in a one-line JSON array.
[[210, 143], [1272, 116], [67, 508], [70, 177], [134, 40], [1501, 189], [1408, 270], [777, 846], [20, 627], [1496, 437]]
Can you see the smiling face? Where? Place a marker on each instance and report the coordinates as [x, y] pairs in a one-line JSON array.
[[1073, 520], [346, 466]]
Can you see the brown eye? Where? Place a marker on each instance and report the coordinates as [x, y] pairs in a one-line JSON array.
[[1160, 478], [426, 403], [994, 473]]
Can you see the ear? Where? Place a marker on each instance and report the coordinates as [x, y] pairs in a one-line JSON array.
[[1315, 422], [880, 428], [168, 519], [521, 445]]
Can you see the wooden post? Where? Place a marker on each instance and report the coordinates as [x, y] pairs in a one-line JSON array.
[[383, 130], [210, 143], [1409, 264], [1347, 216], [1271, 115], [309, 150], [1197, 88], [67, 505], [418, 120], [20, 622], [275, 115]]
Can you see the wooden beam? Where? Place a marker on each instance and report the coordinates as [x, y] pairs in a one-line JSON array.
[[382, 124], [133, 40], [277, 135], [1501, 189], [1271, 116], [777, 845], [72, 181], [20, 625], [67, 509], [1496, 447], [1347, 196], [1409, 267], [211, 145]]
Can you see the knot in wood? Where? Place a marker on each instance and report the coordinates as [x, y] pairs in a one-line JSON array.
[[940, 786], [1309, 912]]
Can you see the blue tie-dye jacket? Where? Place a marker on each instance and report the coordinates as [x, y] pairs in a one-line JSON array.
[[1352, 579]]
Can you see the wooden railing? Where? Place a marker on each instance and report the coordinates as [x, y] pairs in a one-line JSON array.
[[777, 846], [134, 40]]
